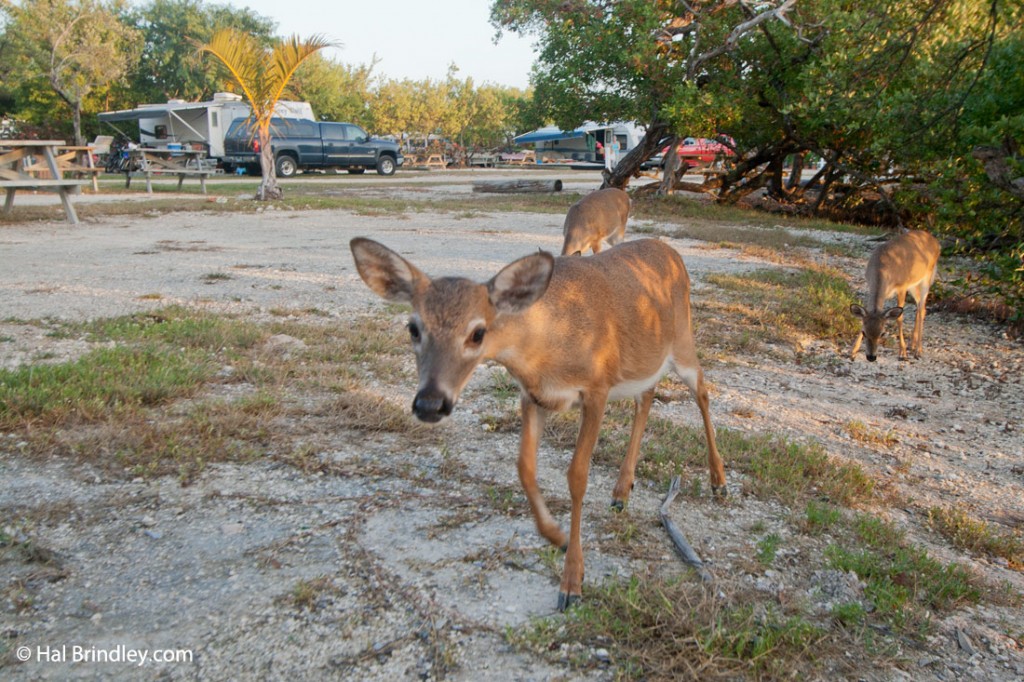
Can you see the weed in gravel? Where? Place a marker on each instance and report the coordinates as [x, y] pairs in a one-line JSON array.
[[768, 548], [311, 594], [820, 517], [862, 433], [977, 536]]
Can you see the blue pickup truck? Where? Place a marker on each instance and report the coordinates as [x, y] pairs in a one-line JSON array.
[[301, 144]]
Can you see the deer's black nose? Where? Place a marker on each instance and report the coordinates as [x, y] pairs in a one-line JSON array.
[[431, 405], [872, 358]]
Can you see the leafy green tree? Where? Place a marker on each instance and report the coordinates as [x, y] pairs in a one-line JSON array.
[[263, 76], [336, 91], [633, 60], [393, 107], [168, 66], [74, 46]]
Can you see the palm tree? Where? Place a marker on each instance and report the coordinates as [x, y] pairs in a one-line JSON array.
[[263, 74]]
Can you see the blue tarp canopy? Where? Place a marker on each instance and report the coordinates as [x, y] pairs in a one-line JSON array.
[[554, 133]]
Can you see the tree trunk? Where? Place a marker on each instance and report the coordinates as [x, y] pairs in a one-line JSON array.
[[269, 190], [797, 172], [630, 164], [79, 141], [670, 175]]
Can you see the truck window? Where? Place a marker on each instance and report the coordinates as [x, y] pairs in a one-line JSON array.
[[354, 132], [332, 131]]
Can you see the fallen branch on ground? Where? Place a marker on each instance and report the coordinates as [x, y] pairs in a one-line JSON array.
[[685, 551]]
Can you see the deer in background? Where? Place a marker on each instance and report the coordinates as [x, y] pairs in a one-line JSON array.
[[570, 331], [600, 215], [905, 263]]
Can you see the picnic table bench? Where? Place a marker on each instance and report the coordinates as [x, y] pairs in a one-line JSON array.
[[18, 157], [183, 163]]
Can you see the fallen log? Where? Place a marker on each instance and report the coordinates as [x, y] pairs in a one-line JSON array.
[[514, 186], [685, 551]]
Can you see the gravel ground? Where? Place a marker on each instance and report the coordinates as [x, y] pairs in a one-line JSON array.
[[207, 570]]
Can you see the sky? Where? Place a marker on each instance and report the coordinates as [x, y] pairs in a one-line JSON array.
[[414, 39]]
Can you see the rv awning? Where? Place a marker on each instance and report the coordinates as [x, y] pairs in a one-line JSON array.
[[148, 112], [553, 133]]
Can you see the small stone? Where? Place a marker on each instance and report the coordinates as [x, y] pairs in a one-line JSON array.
[[965, 642]]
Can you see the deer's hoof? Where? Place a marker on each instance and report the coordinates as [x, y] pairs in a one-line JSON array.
[[618, 505], [564, 548], [566, 601], [719, 492]]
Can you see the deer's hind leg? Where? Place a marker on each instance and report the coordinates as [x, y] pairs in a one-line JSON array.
[[628, 469], [921, 299], [686, 366]]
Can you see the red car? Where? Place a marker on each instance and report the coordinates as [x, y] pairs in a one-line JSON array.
[[699, 152]]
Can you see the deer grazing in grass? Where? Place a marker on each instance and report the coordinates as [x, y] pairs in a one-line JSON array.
[[904, 263], [570, 331], [600, 215]]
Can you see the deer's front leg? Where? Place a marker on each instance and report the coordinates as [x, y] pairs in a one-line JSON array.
[[901, 299], [592, 411], [856, 345], [533, 427]]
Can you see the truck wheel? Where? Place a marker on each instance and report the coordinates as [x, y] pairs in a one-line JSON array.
[[286, 166], [357, 171], [386, 165]]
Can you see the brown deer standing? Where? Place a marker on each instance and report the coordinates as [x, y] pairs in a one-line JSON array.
[[570, 331], [598, 216], [904, 263]]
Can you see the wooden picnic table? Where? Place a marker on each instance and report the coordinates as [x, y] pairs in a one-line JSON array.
[[182, 163], [71, 160], [19, 157]]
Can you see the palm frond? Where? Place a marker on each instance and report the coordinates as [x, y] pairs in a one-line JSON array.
[[244, 59], [288, 55]]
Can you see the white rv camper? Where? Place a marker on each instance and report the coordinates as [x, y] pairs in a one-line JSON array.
[[590, 145], [195, 123]]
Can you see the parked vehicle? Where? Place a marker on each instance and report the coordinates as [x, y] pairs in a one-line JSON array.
[[193, 123], [300, 145], [698, 152]]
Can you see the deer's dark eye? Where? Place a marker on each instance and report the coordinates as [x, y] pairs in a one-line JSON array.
[[477, 337], [414, 331]]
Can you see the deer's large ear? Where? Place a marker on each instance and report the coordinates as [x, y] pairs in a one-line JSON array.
[[893, 313], [389, 275], [521, 283], [857, 310]]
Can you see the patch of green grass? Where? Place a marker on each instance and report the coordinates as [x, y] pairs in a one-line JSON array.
[[667, 629], [767, 548], [849, 613], [977, 536], [820, 516], [503, 386], [903, 581], [103, 381], [785, 302], [776, 468], [175, 326]]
